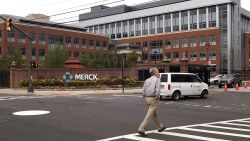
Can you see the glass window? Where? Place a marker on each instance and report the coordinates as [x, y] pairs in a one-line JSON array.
[[76, 54], [195, 78], [76, 42], [184, 43], [91, 44], [145, 26], [212, 56], [33, 52], [11, 36], [83, 43], [98, 44], [164, 78], [156, 50], [118, 30], [125, 28], [176, 21], [193, 56], [91, 29], [212, 16], [21, 37], [202, 41], [68, 41], [168, 56], [96, 29], [160, 24], [54, 40], [193, 19], [176, 56], [167, 22], [101, 30], [137, 27], [202, 18], [203, 56], [112, 31], [41, 54], [33, 37], [152, 25], [184, 20], [168, 43], [176, 43], [193, 42], [145, 45], [42, 39], [212, 40], [107, 29], [131, 28]]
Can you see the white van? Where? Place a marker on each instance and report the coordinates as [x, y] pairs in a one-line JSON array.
[[175, 85]]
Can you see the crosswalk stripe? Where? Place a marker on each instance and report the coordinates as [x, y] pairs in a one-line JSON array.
[[215, 132], [191, 136], [222, 127], [134, 137], [235, 124]]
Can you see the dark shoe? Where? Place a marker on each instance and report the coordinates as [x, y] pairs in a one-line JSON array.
[[162, 129], [142, 133]]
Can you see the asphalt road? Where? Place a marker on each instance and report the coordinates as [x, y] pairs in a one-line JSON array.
[[117, 117]]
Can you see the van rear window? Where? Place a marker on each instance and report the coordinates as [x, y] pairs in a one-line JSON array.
[[164, 78]]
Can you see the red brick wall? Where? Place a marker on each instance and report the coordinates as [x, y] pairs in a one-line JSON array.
[[16, 75]]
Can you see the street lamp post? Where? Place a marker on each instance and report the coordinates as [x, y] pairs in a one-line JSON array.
[[207, 45]]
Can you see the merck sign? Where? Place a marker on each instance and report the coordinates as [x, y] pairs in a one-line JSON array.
[[86, 77], [67, 77]]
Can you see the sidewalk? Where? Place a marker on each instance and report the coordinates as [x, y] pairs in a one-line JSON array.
[[70, 91]]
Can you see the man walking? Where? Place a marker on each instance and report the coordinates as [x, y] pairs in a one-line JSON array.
[[151, 94]]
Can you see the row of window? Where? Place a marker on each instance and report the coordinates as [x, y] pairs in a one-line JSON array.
[[57, 40], [171, 22]]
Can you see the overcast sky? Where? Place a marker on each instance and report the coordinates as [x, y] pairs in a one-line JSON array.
[[54, 7]]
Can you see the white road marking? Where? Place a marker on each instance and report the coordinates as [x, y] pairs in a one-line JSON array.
[[235, 124], [192, 136], [23, 97], [31, 113], [215, 132], [208, 106], [229, 128], [244, 121], [134, 137]]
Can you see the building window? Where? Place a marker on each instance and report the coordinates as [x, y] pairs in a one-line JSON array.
[[76, 42], [23, 52], [212, 40], [202, 41], [55, 40], [193, 19], [76, 54], [118, 30], [102, 29], [68, 41], [21, 37], [104, 44], [160, 24], [107, 29], [156, 50], [193, 56], [131, 28], [33, 37], [212, 16], [145, 26], [168, 56], [168, 43], [152, 25], [91, 29], [145, 45], [176, 43], [176, 56], [11, 36], [193, 42], [125, 28], [202, 18], [91, 44], [184, 43], [203, 56], [96, 29], [33, 54], [176, 21], [41, 54], [138, 27], [167, 22], [184, 20], [212, 56], [112, 31], [84, 43], [42, 39], [98, 45]]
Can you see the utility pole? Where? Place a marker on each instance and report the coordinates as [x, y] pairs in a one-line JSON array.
[[9, 24]]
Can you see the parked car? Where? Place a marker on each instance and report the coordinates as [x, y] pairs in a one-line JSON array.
[[230, 80], [176, 85], [215, 80]]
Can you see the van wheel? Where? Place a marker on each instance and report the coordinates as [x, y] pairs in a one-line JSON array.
[[176, 95], [204, 94]]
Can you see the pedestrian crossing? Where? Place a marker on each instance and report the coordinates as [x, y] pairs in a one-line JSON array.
[[6, 98], [231, 130]]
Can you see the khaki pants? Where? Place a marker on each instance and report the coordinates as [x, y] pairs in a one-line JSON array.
[[152, 104]]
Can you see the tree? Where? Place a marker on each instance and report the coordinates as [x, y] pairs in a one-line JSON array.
[[94, 60], [55, 58], [13, 55], [131, 59]]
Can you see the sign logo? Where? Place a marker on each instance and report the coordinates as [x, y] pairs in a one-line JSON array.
[[67, 77]]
